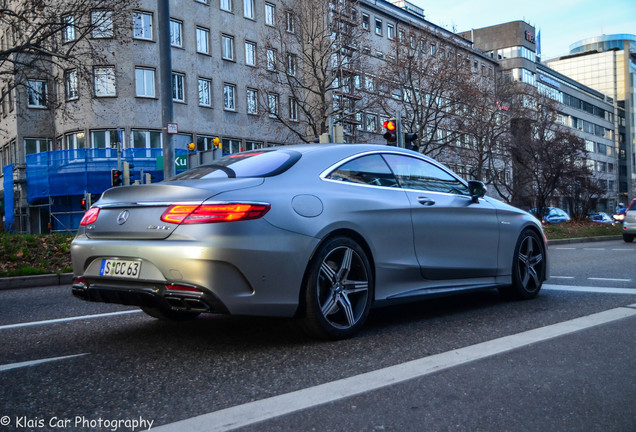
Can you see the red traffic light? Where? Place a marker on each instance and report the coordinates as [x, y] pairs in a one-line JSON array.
[[115, 177], [389, 125]]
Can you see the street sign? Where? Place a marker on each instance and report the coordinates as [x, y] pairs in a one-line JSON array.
[[180, 162], [173, 128]]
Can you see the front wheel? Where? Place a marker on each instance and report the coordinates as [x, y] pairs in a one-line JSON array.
[[338, 290], [628, 238], [528, 267]]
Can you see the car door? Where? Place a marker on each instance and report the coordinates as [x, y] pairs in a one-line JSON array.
[[455, 238]]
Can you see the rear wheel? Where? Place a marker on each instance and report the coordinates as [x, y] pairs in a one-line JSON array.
[[338, 291], [528, 267], [169, 314], [628, 238]]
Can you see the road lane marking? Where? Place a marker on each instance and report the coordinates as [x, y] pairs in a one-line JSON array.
[[61, 320], [36, 362], [609, 279], [602, 290], [623, 250], [594, 249], [561, 277], [565, 248], [265, 409]]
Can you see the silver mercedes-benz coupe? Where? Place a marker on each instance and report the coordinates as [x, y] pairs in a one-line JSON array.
[[318, 232]]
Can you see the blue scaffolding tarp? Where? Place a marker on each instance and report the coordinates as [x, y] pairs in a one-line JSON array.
[[74, 172], [7, 172]]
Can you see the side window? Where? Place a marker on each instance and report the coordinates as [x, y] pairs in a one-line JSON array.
[[369, 170], [413, 173]]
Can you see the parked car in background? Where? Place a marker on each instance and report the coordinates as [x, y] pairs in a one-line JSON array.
[[550, 215], [629, 223], [600, 217]]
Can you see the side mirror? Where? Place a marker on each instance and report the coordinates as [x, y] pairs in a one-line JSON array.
[[477, 190]]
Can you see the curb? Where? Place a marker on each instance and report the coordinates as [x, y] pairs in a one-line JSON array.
[[583, 240], [35, 281], [67, 278]]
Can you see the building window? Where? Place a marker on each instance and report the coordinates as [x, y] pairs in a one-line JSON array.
[[178, 87], [102, 23], [272, 104], [291, 64], [371, 123], [104, 139], [205, 92], [378, 27], [248, 9], [71, 90], [390, 31], [226, 5], [229, 97], [271, 59], [37, 93], [293, 109], [203, 40], [289, 18], [252, 101], [142, 25], [74, 141], [365, 21], [250, 53], [227, 45], [145, 82], [69, 28], [146, 138], [270, 14], [175, 34], [37, 145], [104, 81]]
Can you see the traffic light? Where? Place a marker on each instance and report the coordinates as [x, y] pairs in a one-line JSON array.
[[390, 135], [83, 203], [115, 177], [127, 174], [408, 141]]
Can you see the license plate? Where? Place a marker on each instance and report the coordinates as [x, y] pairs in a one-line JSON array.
[[120, 268]]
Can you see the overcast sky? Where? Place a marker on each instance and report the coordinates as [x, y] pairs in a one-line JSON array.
[[561, 22]]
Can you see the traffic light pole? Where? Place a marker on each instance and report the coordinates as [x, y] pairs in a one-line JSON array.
[[400, 137]]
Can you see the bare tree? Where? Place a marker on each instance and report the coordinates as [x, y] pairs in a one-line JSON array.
[[41, 39], [308, 67], [430, 81], [546, 156]]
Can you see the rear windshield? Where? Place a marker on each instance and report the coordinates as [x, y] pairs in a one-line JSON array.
[[258, 163], [632, 205]]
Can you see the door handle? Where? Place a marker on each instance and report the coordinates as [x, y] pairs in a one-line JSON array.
[[425, 201]]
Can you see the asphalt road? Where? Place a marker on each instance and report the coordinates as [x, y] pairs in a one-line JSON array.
[[561, 362]]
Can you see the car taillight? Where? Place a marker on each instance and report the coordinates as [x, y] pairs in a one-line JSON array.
[[90, 216], [211, 213]]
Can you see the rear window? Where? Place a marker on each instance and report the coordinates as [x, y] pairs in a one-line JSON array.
[[632, 205], [258, 163]]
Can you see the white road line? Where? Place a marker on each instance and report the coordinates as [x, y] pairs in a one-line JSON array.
[[264, 409], [564, 248], [609, 279], [601, 290], [623, 250], [594, 249], [561, 277], [36, 362], [61, 320]]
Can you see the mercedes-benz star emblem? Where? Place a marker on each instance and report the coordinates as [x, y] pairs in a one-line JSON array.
[[123, 217]]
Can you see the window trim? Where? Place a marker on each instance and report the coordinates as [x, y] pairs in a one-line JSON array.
[[251, 9], [70, 85], [179, 25], [255, 104], [253, 56], [106, 88], [176, 77], [229, 3], [232, 86], [272, 7], [206, 31]]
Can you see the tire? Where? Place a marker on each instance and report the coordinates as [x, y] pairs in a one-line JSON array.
[[528, 267], [628, 238], [338, 291], [168, 314]]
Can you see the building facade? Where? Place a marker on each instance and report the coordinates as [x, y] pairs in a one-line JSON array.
[[608, 64], [589, 112], [53, 156]]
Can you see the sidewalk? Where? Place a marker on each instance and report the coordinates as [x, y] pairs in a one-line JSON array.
[[67, 278]]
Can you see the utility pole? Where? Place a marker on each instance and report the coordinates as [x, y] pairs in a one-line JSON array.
[[165, 73]]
